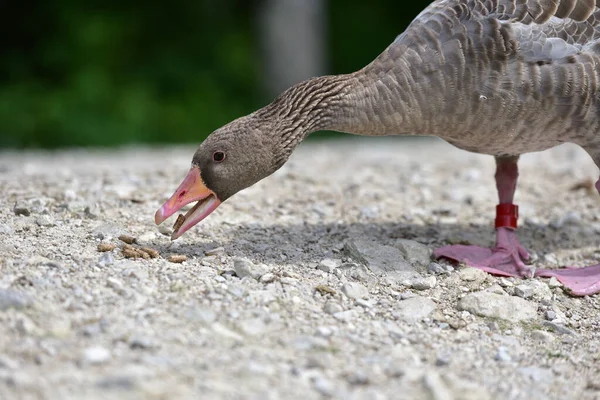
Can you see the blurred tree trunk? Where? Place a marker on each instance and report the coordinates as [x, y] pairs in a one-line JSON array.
[[293, 42]]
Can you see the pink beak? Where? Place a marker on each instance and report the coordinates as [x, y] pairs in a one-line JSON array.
[[191, 189]]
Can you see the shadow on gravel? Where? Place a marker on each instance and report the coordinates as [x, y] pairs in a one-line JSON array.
[[306, 243]]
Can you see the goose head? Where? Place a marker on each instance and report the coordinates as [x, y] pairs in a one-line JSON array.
[[251, 148], [232, 158]]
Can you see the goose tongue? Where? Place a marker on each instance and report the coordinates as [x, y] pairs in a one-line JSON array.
[[191, 189]]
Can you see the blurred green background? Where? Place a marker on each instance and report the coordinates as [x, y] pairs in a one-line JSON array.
[[108, 72]]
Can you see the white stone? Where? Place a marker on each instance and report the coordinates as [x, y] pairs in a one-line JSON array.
[[355, 290], [328, 265], [473, 275], [244, 268], [554, 283], [524, 291], [216, 251], [542, 336], [324, 331], [492, 305], [96, 355], [267, 278], [114, 283], [414, 252], [423, 283], [414, 309], [503, 355], [253, 327], [45, 221], [332, 308]]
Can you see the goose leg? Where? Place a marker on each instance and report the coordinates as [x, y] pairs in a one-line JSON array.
[[506, 258], [580, 281]]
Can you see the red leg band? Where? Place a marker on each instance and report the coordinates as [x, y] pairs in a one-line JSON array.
[[507, 216]]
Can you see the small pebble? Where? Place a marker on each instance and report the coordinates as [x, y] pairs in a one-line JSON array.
[[252, 327], [21, 209], [323, 386], [324, 331], [165, 230], [45, 220], [355, 290], [524, 291], [442, 361], [5, 229], [328, 265], [358, 378], [505, 283], [106, 259], [496, 289], [332, 308], [114, 283], [550, 315], [122, 383], [96, 355], [554, 283], [563, 330], [542, 336], [550, 259], [13, 299], [244, 268], [8, 363], [215, 252], [473, 275], [593, 385], [141, 343], [503, 355], [424, 283], [69, 195], [364, 303], [369, 212], [435, 268], [267, 278]]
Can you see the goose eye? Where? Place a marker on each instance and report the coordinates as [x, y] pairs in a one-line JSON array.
[[218, 156]]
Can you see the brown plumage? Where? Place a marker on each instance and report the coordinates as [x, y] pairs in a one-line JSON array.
[[498, 77], [502, 77]]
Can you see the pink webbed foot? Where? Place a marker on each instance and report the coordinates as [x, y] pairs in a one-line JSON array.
[[580, 281], [505, 259]]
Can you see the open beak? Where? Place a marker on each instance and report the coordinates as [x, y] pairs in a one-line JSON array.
[[191, 189]]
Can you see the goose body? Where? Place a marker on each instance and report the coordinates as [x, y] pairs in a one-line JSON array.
[[498, 77], [501, 77]]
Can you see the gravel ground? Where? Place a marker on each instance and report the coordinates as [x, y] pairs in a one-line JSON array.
[[317, 282]]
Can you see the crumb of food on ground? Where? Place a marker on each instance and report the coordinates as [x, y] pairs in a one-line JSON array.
[[146, 253], [127, 239], [177, 258], [104, 247], [179, 222], [151, 252], [130, 252], [324, 289], [587, 184]]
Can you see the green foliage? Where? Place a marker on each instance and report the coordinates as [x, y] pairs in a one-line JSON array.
[[112, 72]]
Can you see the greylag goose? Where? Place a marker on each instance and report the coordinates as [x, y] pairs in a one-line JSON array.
[[497, 77]]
